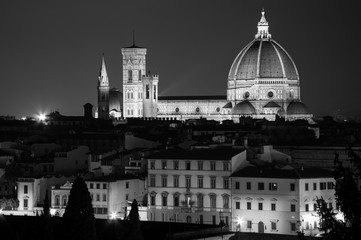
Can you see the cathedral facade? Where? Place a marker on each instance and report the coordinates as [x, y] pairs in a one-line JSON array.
[[263, 82]]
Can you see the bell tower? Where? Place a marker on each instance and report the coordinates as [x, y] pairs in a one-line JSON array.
[[103, 92], [134, 68]]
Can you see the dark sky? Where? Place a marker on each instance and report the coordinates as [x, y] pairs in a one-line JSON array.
[[50, 51]]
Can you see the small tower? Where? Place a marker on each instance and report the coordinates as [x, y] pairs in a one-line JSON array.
[[262, 28], [150, 94], [133, 70], [103, 92]]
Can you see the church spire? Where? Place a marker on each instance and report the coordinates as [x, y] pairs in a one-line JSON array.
[[103, 75], [263, 28]]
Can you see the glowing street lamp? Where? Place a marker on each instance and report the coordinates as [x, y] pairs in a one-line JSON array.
[[113, 215], [41, 117]]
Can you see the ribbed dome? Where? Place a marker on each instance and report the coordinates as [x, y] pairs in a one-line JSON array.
[[244, 108], [263, 58], [296, 108]]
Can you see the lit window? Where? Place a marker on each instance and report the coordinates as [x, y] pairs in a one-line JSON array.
[[273, 186]]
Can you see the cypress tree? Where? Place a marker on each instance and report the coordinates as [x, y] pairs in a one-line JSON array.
[[134, 222], [79, 216]]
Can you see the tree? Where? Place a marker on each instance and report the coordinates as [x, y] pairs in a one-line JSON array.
[[348, 201], [134, 222], [79, 216], [46, 206]]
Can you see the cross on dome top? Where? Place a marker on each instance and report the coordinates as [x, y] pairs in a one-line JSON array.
[[263, 28]]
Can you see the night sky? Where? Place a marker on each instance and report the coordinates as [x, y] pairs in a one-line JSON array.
[[50, 51]]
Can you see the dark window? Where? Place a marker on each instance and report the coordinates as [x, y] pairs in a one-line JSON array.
[[315, 207], [260, 186], [213, 182], [176, 165], [249, 224], [306, 208], [322, 185], [188, 166], [104, 186], [293, 227], [164, 200], [176, 200], [200, 165], [25, 203], [314, 186], [152, 200], [273, 206], [213, 166], [249, 205], [127, 185], [238, 205], [130, 75], [330, 185], [164, 181], [260, 206], [292, 187], [25, 189], [249, 186], [237, 185], [293, 208], [147, 91], [91, 186], [155, 92], [306, 186], [164, 164], [98, 185]]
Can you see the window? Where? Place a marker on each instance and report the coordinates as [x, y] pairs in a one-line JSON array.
[[238, 205], [237, 185], [188, 181], [25, 203], [176, 165], [292, 187], [249, 205], [293, 208], [226, 201], [126, 184], [98, 197], [306, 186], [214, 219], [248, 186], [104, 186], [330, 205], [25, 189], [200, 181], [306, 208], [225, 166], [104, 197], [127, 196], [200, 165], [164, 199], [213, 166], [155, 92], [260, 186], [322, 185], [164, 164], [152, 200], [330, 185], [130, 75], [293, 227], [273, 186], [314, 186], [152, 180], [225, 183], [98, 185], [147, 91], [164, 181], [315, 207], [200, 200], [176, 200], [176, 181], [260, 206], [213, 182], [273, 226], [249, 224], [273, 206], [213, 201], [139, 75], [188, 166], [152, 165]]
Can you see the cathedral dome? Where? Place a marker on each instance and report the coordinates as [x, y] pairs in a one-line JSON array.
[[263, 58], [296, 108], [244, 108]]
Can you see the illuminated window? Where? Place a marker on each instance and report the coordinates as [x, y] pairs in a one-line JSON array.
[[273, 186]]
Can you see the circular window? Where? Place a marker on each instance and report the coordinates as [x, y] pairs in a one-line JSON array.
[[197, 109], [218, 109], [270, 94], [177, 109], [246, 95]]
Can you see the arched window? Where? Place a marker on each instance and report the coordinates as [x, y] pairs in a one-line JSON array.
[[57, 200], [176, 199], [65, 200], [165, 198], [152, 198]]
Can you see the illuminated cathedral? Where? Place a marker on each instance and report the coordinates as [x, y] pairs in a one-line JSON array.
[[263, 83]]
